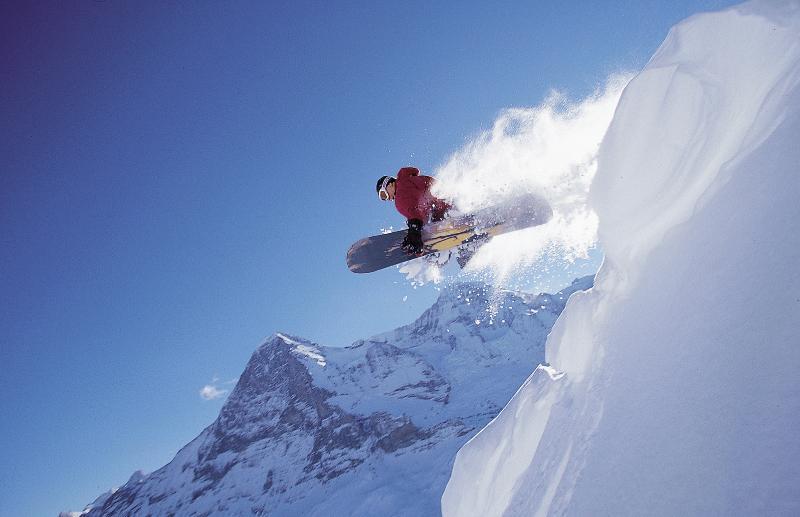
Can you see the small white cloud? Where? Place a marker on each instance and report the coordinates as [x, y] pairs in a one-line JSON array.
[[211, 392]]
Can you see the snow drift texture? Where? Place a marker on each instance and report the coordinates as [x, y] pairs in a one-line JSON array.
[[673, 388]]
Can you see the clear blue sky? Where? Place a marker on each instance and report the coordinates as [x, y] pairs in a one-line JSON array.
[[178, 181]]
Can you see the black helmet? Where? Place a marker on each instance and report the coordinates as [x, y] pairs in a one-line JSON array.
[[383, 182]]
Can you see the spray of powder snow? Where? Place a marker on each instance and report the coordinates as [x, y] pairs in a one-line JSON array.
[[550, 150]]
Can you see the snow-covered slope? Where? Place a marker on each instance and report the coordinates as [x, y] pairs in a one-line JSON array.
[[674, 382], [369, 429]]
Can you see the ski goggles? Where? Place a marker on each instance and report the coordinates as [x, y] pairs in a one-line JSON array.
[[383, 194]]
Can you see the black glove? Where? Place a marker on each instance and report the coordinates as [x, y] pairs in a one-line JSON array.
[[413, 241]]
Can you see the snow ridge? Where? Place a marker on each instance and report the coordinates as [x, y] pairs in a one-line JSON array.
[[659, 410]]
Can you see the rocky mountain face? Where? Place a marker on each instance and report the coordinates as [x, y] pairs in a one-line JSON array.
[[367, 429]]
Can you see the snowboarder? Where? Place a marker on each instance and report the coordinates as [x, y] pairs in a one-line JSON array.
[[412, 197]]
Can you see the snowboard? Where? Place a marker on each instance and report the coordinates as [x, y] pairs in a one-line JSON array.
[[381, 251]]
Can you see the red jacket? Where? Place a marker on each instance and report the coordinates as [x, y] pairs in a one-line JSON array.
[[413, 196]]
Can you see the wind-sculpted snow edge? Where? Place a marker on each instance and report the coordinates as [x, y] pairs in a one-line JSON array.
[[708, 99]]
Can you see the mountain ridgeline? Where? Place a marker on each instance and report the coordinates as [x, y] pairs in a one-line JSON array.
[[367, 429]]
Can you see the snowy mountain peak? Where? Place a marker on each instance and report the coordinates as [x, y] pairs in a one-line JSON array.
[[305, 423], [303, 348]]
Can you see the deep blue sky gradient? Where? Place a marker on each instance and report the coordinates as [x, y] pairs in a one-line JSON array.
[[179, 180]]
